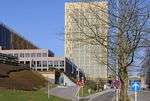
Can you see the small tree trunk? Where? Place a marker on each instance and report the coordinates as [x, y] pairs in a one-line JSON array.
[[123, 96], [123, 93]]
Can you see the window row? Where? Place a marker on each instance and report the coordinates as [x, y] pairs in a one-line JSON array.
[[47, 64], [29, 54]]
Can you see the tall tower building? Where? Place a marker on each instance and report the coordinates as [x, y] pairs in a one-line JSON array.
[[79, 17]]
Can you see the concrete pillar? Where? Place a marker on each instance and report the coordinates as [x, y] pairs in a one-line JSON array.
[[41, 66], [35, 65], [47, 65], [53, 63], [65, 65], [30, 64]]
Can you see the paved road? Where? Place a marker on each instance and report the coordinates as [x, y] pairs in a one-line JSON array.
[[104, 97], [65, 92], [143, 96]]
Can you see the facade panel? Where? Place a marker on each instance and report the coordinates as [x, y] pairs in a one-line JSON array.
[[83, 55]]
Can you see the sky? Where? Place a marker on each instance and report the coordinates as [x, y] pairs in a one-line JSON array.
[[40, 21]]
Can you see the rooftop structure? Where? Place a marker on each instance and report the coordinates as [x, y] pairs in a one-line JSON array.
[[9, 39]]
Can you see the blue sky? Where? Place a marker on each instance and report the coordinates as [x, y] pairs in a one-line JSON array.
[[40, 21]]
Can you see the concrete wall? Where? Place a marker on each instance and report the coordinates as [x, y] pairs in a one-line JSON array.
[[50, 76], [67, 81]]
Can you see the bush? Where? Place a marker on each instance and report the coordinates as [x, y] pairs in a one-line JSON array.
[[91, 84], [95, 85]]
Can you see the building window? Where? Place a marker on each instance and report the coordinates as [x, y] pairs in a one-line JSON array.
[[44, 63], [38, 63], [50, 63], [44, 54], [32, 54], [16, 55], [38, 54], [61, 63], [33, 63], [22, 55], [55, 63], [10, 54], [27, 55], [27, 63], [21, 62]]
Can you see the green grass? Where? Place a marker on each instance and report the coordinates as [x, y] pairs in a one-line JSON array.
[[40, 95]]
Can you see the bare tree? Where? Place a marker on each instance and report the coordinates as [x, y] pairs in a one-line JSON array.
[[118, 27]]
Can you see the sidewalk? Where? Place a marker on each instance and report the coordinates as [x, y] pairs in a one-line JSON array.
[[99, 93], [90, 97], [67, 92], [130, 93], [142, 95]]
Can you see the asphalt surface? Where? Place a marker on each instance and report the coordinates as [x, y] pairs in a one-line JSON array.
[[69, 93], [143, 96], [104, 97], [65, 92]]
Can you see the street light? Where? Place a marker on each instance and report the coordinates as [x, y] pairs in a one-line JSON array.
[[48, 92]]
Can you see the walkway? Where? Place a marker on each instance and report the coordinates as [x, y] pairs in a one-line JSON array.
[[67, 92]]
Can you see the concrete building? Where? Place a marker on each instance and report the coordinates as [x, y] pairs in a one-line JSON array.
[[43, 61], [30, 57], [15, 46], [40, 59], [83, 55]]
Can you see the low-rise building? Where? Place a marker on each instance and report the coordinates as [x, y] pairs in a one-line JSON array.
[[40, 59], [43, 60], [13, 45]]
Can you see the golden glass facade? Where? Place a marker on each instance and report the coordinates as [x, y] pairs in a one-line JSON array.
[[82, 54]]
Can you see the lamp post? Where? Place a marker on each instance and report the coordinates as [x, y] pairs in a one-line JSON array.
[[82, 84], [48, 93]]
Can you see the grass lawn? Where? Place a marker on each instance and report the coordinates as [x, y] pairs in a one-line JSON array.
[[40, 95]]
